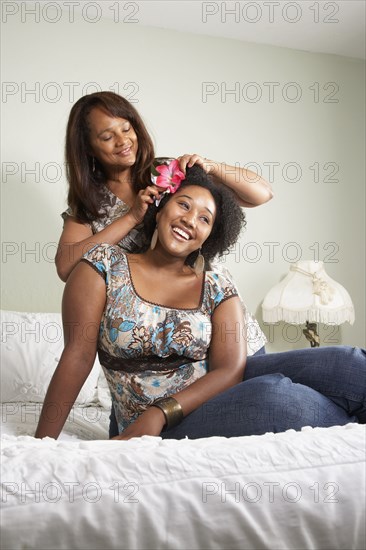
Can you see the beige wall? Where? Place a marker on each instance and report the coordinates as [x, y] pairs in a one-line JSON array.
[[310, 123]]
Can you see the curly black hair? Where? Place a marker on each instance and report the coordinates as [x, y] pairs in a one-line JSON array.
[[229, 220]]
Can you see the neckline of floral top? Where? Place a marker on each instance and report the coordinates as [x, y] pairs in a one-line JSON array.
[[162, 305], [112, 195]]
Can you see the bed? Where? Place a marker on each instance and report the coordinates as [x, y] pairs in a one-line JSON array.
[[294, 490]]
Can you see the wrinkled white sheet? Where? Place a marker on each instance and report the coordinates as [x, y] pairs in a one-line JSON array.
[[293, 490], [85, 423]]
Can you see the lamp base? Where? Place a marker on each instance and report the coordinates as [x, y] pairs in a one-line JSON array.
[[311, 334]]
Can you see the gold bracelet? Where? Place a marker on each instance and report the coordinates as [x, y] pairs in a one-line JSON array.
[[172, 410]]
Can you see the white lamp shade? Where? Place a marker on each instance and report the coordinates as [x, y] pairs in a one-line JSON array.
[[307, 293]]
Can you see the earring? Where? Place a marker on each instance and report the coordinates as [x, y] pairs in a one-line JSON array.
[[199, 264], [93, 167], [154, 239]]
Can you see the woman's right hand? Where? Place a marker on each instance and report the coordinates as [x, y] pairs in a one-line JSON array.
[[144, 198]]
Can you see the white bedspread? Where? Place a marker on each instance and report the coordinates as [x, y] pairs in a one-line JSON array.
[[85, 423], [294, 490]]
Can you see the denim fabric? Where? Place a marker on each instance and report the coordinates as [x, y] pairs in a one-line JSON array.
[[308, 387], [337, 372], [113, 426]]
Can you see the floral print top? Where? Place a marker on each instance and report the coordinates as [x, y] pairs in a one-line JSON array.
[[149, 350], [112, 207]]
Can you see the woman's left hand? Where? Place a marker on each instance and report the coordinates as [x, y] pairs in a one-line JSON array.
[[188, 160], [150, 422]]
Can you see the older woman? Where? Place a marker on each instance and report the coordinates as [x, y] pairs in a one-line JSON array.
[[109, 155]]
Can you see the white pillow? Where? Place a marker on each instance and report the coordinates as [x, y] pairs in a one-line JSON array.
[[31, 346]]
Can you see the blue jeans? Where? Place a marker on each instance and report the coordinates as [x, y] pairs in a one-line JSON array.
[[309, 387]]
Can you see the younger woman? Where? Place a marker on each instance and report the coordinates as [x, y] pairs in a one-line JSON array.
[[171, 336]]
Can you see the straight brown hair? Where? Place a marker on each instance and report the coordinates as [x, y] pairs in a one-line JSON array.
[[84, 182]]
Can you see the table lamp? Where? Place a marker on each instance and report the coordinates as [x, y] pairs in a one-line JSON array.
[[308, 295]]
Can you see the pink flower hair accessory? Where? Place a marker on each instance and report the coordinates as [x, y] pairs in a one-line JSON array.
[[166, 175]]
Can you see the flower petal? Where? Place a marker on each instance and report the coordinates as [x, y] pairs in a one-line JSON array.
[[170, 176], [163, 169], [163, 181], [174, 165]]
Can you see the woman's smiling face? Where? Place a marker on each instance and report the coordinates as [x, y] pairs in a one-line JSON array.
[[186, 220], [113, 140]]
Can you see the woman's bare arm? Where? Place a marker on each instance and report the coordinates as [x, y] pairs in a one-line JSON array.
[[82, 307], [77, 238], [250, 188], [227, 357]]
